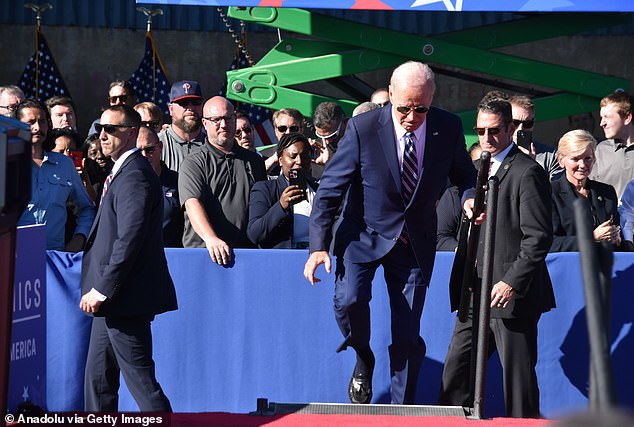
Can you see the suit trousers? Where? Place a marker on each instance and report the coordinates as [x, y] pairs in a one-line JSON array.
[[122, 345], [406, 290], [516, 342]]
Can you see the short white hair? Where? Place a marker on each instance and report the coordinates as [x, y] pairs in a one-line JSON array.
[[412, 73]]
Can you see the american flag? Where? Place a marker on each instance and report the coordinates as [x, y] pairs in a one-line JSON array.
[[41, 79], [259, 117], [150, 80]]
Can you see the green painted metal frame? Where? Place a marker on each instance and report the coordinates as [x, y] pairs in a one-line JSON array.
[[347, 48]]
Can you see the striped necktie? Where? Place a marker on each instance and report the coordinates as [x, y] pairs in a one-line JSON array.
[[409, 177], [106, 184]]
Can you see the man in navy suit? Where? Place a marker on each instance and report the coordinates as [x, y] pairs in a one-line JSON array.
[[392, 166], [125, 280]]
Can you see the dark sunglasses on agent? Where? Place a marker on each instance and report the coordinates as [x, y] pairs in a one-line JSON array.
[[121, 98], [482, 131], [247, 130], [108, 128], [526, 124], [284, 128], [421, 109]]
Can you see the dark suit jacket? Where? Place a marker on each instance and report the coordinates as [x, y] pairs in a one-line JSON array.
[[523, 235], [124, 257], [449, 214], [366, 166], [602, 197], [270, 226]]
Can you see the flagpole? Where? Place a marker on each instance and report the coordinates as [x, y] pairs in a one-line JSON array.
[[38, 9], [149, 14]]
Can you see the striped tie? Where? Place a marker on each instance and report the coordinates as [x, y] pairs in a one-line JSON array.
[[105, 185], [409, 177]]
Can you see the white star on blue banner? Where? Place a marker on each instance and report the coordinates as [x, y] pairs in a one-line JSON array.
[[150, 80]]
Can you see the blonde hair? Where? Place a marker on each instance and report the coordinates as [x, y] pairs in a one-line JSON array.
[[575, 142]]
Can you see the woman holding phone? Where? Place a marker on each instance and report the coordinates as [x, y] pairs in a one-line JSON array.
[[576, 156], [279, 209]]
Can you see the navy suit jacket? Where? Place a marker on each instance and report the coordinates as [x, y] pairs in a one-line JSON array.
[[270, 226], [366, 170], [124, 257]]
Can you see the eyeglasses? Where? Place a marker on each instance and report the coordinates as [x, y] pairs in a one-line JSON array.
[[154, 124], [108, 128], [216, 120], [11, 107], [482, 131], [405, 110], [184, 103], [149, 149], [332, 135], [122, 98], [527, 124], [284, 128], [247, 130]]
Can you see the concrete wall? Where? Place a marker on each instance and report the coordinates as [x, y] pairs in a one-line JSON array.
[[89, 58]]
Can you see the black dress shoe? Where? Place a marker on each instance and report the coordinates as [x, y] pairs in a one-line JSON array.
[[360, 387]]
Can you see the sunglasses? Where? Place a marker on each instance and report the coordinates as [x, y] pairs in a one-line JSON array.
[[149, 149], [527, 124], [121, 98], [109, 129], [482, 131], [405, 110], [184, 103], [154, 124], [284, 128], [247, 130]]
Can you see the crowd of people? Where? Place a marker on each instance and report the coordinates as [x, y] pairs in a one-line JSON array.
[[386, 187]]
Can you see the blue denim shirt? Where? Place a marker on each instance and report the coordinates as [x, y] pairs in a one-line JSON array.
[[52, 185]]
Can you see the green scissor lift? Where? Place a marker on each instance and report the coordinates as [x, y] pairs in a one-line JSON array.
[[339, 49]]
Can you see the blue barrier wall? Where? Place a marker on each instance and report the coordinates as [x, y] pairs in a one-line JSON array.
[[258, 329]]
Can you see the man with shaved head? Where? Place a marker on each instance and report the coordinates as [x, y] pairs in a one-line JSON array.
[[391, 166], [214, 185]]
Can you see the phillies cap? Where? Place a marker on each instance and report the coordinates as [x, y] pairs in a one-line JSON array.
[[185, 89]]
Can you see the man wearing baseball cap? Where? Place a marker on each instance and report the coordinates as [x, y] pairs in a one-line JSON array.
[[185, 134]]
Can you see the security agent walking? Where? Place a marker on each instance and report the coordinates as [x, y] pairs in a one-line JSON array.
[[522, 289], [125, 280], [391, 166]]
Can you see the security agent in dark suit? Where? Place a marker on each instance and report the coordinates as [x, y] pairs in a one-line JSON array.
[[125, 280], [373, 169], [522, 289]]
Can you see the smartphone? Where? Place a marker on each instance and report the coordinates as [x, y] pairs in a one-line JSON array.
[[297, 177], [524, 139], [76, 157]]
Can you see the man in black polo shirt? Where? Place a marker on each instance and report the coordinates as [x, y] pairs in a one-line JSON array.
[[214, 184]]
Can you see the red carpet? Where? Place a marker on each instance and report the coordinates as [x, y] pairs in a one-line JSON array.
[[220, 419]]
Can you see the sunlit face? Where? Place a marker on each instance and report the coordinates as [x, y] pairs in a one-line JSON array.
[[287, 124], [245, 134], [95, 153], [8, 103], [404, 95], [295, 156], [381, 98], [331, 134], [186, 114], [36, 119], [118, 95], [497, 136], [220, 123], [578, 166], [148, 143], [63, 116], [614, 126], [522, 115], [120, 139]]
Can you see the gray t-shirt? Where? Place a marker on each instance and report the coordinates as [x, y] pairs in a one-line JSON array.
[[222, 182], [614, 165], [175, 149]]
